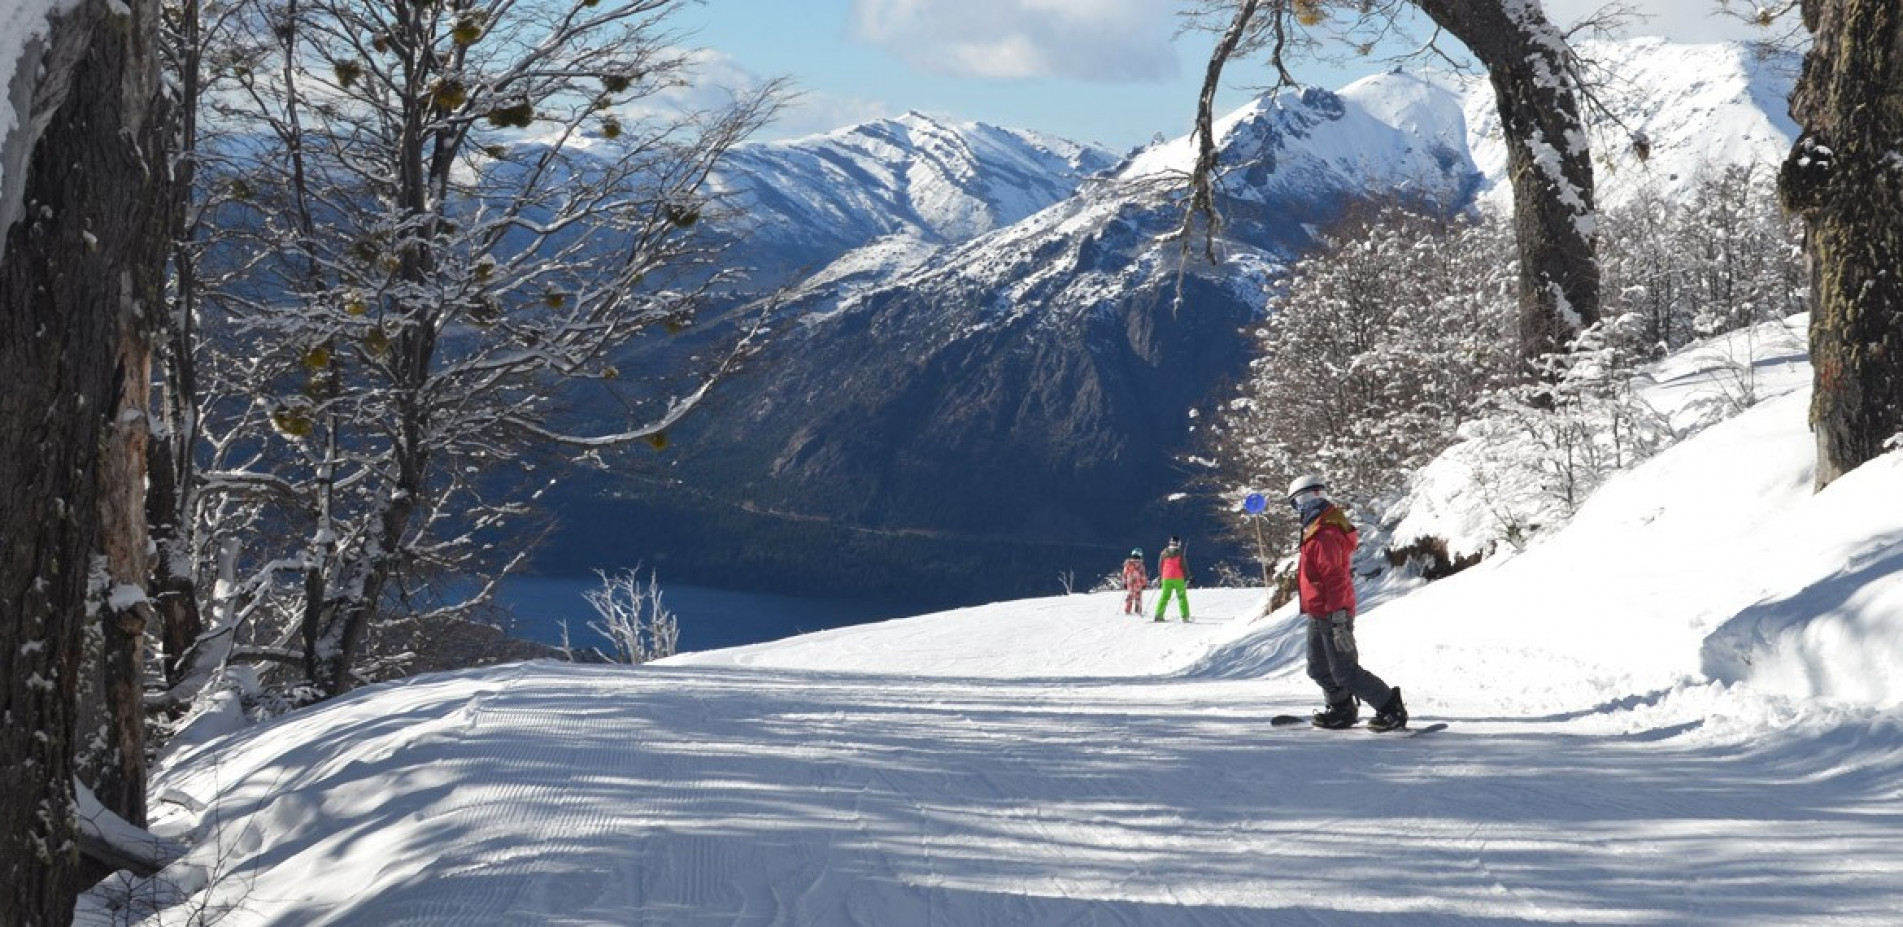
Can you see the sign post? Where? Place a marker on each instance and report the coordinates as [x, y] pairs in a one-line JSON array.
[[1255, 505]]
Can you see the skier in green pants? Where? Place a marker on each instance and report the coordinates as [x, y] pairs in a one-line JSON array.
[[1173, 569]]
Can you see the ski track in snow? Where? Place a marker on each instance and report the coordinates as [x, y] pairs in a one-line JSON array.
[[706, 791]]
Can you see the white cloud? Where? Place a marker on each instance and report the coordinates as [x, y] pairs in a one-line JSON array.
[[806, 112], [812, 113], [1677, 20], [716, 78], [1095, 40]]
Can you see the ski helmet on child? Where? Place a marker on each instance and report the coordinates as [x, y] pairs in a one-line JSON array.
[[1304, 483], [1137, 553]]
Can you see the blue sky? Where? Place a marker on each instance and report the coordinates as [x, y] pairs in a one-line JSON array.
[[1108, 71]]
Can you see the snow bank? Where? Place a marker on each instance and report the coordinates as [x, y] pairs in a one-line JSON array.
[[1713, 562], [1830, 623], [1074, 636]]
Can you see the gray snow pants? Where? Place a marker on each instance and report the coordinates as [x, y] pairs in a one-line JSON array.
[[1337, 668]]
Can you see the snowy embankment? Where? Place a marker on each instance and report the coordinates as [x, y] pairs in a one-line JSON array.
[[1681, 709], [1714, 562]]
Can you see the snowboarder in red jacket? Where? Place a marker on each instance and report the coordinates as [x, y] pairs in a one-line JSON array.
[[1325, 580], [1135, 580]]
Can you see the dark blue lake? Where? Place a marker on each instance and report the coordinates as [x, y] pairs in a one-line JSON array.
[[709, 619]]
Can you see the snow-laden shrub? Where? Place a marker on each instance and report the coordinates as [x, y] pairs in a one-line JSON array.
[[1392, 343], [1561, 436], [633, 621], [1381, 347], [1725, 259]]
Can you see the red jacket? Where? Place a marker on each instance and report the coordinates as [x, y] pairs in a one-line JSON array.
[[1133, 575], [1325, 578]]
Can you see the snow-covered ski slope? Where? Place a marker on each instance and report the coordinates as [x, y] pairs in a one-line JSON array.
[[1683, 709]]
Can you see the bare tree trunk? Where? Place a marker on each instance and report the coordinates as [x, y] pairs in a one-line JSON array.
[[1548, 163], [126, 538], [1844, 177], [118, 778], [66, 285], [174, 583], [171, 474], [415, 350], [119, 782], [140, 214], [349, 620]]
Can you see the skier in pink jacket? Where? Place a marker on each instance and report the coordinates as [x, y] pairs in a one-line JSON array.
[[1135, 580]]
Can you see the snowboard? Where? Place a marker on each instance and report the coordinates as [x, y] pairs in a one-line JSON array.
[[1292, 720]]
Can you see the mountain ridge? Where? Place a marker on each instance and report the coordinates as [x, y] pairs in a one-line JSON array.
[[817, 197], [1036, 380]]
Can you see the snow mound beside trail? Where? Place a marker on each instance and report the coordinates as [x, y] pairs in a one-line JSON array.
[[1833, 625], [1713, 563], [1072, 636]]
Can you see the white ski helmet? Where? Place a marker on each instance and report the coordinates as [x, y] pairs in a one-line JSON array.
[[1304, 483]]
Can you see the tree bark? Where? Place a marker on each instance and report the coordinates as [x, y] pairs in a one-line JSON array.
[[1549, 163], [111, 749], [140, 306], [1845, 176], [71, 237]]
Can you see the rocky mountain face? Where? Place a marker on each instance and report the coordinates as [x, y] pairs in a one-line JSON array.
[[991, 383]]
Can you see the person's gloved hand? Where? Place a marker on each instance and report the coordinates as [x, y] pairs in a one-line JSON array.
[[1341, 625]]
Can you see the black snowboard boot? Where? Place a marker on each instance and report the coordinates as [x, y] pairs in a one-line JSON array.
[[1337, 716], [1391, 716]]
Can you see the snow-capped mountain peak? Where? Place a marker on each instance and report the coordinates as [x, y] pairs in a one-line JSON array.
[[1387, 132], [1411, 104]]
